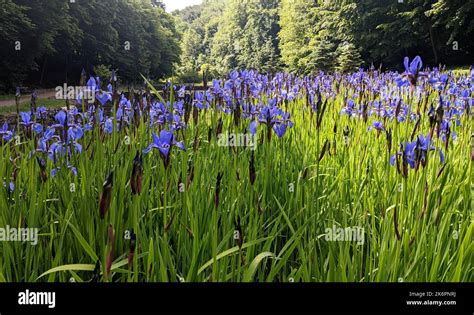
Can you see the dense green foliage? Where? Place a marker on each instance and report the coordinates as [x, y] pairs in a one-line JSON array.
[[50, 41], [59, 38], [281, 193], [198, 25], [376, 152], [308, 36]]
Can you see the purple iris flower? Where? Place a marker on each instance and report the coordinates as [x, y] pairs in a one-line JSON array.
[[250, 111], [6, 134], [445, 129], [200, 101], [414, 67], [274, 117], [56, 148], [234, 75], [60, 119], [377, 125], [92, 84], [75, 133], [60, 147], [425, 144], [164, 143], [48, 135], [209, 95], [103, 98], [4, 127], [443, 78], [412, 70], [409, 148], [108, 126], [401, 82], [55, 171], [79, 97], [11, 185], [37, 128], [181, 92], [176, 123], [280, 129], [26, 118], [414, 153], [27, 122], [268, 114], [253, 128], [41, 112], [119, 113], [73, 169], [349, 109]]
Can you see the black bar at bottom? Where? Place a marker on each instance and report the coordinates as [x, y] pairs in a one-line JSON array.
[[403, 298]]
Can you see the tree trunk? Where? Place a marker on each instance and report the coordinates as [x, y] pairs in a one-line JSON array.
[[433, 44], [43, 70]]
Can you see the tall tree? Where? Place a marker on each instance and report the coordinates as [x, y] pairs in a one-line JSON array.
[[297, 21], [15, 56], [248, 36], [198, 25], [453, 26]]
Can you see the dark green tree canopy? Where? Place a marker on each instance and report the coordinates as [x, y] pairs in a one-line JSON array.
[[305, 36], [58, 38], [46, 42]]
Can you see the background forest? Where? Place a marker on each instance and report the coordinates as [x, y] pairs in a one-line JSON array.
[[48, 42]]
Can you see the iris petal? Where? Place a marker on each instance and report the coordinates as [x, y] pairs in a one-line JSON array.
[[392, 160], [181, 146], [441, 156], [279, 129], [253, 128]]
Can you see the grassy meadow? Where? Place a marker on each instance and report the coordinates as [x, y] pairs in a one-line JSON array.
[[321, 158]]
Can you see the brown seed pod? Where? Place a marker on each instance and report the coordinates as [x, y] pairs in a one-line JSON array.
[[252, 172], [395, 223], [220, 124], [388, 136], [326, 147], [106, 196], [42, 165], [218, 189], [137, 174]]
